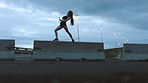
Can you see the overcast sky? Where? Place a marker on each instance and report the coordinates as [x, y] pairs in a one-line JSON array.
[[29, 20]]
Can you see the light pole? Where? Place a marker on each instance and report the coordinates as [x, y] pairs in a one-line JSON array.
[[115, 39], [101, 28], [123, 39], [126, 41], [77, 18], [119, 44]]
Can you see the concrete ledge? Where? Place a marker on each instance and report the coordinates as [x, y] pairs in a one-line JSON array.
[[67, 56], [7, 49], [50, 50], [134, 57], [6, 45], [133, 52], [7, 55]]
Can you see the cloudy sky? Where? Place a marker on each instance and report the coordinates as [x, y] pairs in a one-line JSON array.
[[29, 20]]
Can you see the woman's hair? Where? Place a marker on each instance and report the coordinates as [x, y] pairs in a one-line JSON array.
[[70, 14]]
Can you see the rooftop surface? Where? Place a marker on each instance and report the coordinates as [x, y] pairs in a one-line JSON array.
[[110, 71]]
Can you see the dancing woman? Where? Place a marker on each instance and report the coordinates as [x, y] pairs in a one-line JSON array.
[[63, 24]]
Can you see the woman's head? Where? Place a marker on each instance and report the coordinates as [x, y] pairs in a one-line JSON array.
[[70, 14]]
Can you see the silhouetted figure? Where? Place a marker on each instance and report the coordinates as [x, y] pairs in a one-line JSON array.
[[63, 24]]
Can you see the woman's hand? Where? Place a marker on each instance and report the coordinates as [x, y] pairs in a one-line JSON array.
[[60, 19]]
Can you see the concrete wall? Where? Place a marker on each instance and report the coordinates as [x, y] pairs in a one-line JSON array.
[[68, 50], [6, 44], [135, 52], [7, 49]]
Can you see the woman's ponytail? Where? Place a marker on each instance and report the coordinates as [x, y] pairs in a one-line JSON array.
[[70, 14], [72, 21]]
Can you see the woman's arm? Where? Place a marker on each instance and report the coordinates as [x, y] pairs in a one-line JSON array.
[[66, 19]]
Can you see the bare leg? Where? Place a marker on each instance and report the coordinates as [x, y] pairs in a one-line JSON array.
[[66, 29], [56, 33]]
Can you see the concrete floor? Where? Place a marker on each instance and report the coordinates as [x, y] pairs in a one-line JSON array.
[[73, 72]]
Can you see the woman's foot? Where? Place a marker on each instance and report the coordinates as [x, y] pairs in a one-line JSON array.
[[56, 39], [73, 40]]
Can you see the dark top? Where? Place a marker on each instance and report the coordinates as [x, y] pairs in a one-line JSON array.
[[63, 23]]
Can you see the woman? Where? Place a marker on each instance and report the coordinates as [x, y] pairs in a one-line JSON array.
[[69, 16]]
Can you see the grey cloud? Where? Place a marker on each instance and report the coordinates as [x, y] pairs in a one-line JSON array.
[[130, 12]]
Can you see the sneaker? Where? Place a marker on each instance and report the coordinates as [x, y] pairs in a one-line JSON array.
[[56, 39], [73, 40]]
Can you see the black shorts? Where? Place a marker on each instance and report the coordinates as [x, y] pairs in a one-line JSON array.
[[62, 24]]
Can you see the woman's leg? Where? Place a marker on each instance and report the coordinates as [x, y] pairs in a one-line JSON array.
[[56, 33], [66, 29]]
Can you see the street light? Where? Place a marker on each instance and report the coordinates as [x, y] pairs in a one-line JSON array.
[[119, 44], [101, 28], [126, 41], [115, 39], [77, 18]]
